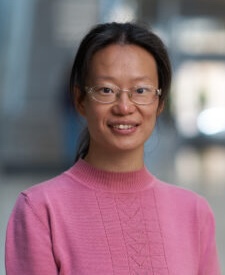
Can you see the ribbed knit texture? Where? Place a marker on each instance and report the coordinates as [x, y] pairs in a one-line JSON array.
[[89, 221], [137, 245]]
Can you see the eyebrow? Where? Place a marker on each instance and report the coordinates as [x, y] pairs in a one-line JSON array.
[[111, 78]]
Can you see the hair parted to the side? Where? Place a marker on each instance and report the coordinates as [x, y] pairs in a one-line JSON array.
[[103, 35]]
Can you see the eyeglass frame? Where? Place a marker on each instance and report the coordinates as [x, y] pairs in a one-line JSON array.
[[90, 91]]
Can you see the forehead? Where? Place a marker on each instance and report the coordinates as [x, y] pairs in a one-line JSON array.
[[118, 60]]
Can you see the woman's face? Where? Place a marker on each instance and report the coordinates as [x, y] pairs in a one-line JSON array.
[[122, 125]]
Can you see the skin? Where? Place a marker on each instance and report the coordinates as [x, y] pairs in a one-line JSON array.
[[113, 149]]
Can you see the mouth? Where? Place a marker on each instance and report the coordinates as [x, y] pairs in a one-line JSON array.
[[123, 126]]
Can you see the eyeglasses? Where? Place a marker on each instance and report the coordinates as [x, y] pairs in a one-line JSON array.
[[106, 94]]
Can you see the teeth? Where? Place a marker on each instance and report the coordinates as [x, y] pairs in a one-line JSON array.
[[123, 126]]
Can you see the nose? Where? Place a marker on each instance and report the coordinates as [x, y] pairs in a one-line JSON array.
[[123, 105]]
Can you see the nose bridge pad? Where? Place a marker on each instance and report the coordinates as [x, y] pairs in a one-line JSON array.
[[127, 92]]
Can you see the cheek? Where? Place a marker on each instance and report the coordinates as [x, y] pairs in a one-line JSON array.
[[94, 116], [151, 112], [150, 119]]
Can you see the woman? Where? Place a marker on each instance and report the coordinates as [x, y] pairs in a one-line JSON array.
[[108, 214]]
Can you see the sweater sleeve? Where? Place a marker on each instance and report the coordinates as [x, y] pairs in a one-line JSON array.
[[28, 242], [209, 263]]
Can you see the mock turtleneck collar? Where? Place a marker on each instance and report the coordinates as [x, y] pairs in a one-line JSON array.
[[111, 181]]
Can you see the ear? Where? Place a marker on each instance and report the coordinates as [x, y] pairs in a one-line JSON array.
[[160, 108], [79, 101]]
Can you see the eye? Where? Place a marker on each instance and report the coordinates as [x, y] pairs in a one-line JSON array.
[[107, 90], [104, 90], [142, 90]]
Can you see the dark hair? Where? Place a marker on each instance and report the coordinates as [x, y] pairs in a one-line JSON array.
[[106, 34]]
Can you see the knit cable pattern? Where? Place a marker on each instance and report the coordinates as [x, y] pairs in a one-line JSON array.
[[140, 249]]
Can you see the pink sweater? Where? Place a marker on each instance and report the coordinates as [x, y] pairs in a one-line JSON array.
[[87, 221]]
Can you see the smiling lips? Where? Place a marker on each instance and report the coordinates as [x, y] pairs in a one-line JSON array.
[[123, 126]]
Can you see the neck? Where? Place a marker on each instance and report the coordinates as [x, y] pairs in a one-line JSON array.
[[116, 162]]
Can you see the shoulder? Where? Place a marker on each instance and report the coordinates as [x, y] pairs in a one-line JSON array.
[[176, 192], [51, 187], [48, 198], [182, 199], [182, 207], [52, 192]]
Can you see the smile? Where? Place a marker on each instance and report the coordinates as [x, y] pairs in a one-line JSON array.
[[123, 126]]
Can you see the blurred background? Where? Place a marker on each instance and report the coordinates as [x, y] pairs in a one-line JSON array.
[[39, 129]]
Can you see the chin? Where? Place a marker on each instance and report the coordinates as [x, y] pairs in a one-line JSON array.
[[123, 147]]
